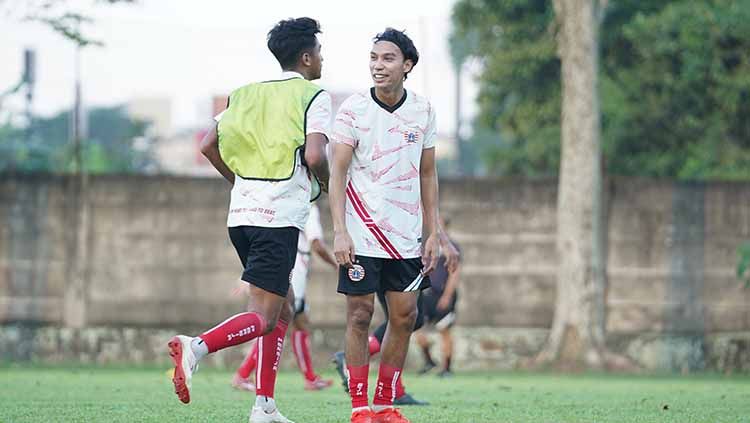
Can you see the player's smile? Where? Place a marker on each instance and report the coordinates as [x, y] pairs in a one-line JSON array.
[[379, 77]]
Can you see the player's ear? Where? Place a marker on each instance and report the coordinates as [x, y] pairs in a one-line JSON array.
[[408, 65], [306, 58]]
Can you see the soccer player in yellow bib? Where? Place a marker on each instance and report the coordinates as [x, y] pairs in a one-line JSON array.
[[270, 144]]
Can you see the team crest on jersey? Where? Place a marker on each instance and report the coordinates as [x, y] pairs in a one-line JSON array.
[[356, 273], [411, 137]]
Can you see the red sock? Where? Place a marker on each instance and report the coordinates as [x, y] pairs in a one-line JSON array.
[[301, 347], [385, 390], [400, 390], [357, 378], [374, 345], [248, 365], [269, 353], [236, 330]]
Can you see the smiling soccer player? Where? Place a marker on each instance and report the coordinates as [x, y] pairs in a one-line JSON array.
[[384, 207]]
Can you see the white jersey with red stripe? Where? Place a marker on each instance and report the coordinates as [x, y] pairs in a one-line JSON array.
[[383, 205]]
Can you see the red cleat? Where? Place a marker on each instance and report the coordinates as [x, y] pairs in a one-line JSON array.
[[185, 365], [389, 415], [363, 416]]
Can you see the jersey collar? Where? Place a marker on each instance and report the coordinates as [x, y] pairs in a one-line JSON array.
[[389, 109], [290, 75]]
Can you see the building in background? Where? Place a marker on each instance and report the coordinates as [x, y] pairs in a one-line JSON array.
[[155, 110]]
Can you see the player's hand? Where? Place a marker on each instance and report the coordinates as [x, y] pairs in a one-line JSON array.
[[444, 302], [343, 249], [452, 256], [430, 254]]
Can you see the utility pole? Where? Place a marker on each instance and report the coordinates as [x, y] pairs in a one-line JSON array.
[[29, 80], [459, 142], [76, 290], [77, 124]]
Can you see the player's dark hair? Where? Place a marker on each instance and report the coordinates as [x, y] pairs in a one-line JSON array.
[[292, 37], [404, 43]]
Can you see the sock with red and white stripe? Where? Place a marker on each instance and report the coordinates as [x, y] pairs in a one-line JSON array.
[[301, 347], [357, 378], [236, 330], [269, 354], [385, 390], [400, 389], [248, 365]]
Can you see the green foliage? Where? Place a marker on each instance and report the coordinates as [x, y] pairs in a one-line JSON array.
[[674, 86], [519, 97], [45, 146], [743, 264]]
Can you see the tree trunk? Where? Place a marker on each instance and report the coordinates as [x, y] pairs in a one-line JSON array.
[[576, 339]]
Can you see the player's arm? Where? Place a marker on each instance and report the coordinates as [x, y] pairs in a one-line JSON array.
[[318, 118], [343, 246], [209, 147], [451, 253], [450, 288], [315, 157], [428, 185], [321, 249]]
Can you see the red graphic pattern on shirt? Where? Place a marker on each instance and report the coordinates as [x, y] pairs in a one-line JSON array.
[[369, 223], [413, 173]]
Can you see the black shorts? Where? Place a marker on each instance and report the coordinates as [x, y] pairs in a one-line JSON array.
[[373, 274], [442, 319], [267, 254]]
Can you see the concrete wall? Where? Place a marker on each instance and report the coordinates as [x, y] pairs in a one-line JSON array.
[[157, 257]]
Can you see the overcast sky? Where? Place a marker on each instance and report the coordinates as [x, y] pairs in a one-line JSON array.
[[188, 50]]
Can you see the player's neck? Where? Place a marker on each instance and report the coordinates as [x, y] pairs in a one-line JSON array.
[[390, 95], [302, 71]]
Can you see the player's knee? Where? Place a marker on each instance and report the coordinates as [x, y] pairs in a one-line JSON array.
[[270, 325], [287, 313], [361, 316], [404, 319]]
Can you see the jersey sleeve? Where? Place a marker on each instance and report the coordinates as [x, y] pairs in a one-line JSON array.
[[217, 118], [430, 135], [313, 228], [343, 127], [319, 115]]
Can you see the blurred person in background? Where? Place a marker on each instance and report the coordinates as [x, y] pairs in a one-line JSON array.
[[439, 309]]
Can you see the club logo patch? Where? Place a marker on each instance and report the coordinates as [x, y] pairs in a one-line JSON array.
[[356, 273], [411, 137]]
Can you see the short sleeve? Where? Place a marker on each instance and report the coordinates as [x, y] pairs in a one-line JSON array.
[[217, 118], [430, 134], [319, 115], [343, 127], [313, 228]]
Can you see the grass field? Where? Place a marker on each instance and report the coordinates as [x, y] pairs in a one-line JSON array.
[[30, 394]]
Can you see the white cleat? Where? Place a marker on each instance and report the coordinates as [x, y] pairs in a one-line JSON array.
[[185, 364], [257, 415]]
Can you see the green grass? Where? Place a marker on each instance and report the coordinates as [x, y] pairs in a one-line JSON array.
[[36, 394]]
